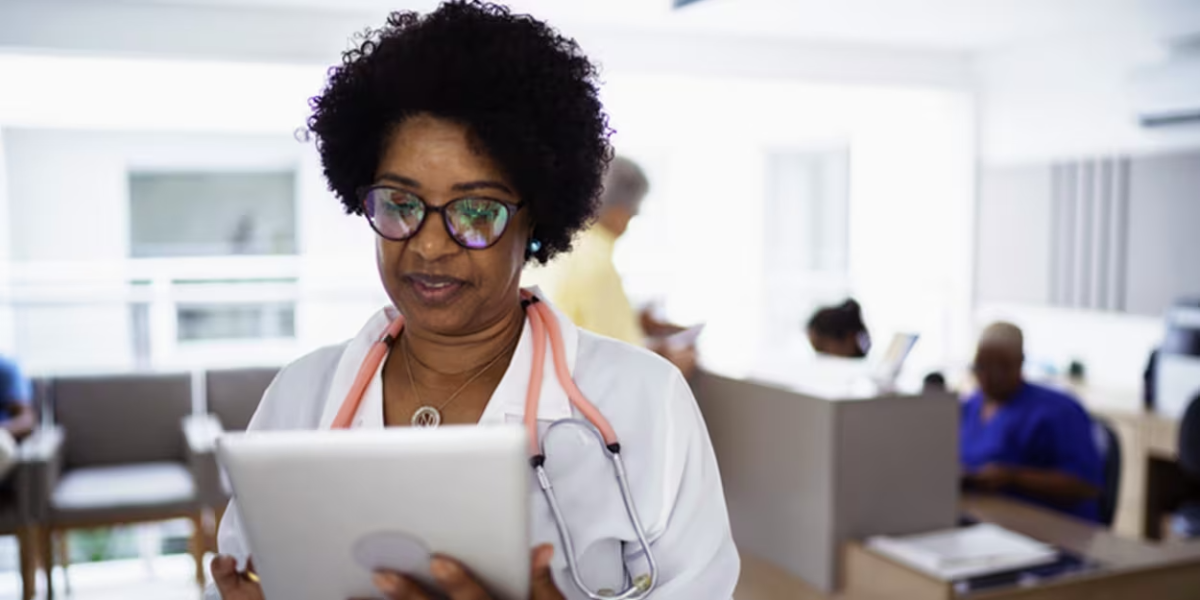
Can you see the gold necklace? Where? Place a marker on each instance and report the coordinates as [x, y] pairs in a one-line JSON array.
[[426, 415]]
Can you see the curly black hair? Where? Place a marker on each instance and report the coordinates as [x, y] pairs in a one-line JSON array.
[[527, 95]]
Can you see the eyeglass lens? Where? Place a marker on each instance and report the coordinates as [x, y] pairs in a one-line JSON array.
[[473, 222]]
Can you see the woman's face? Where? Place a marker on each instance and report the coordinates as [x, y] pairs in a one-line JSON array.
[[437, 284], [831, 346]]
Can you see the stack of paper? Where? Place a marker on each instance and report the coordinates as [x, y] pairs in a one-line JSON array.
[[965, 552]]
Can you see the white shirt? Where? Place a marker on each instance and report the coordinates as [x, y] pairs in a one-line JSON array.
[[672, 470]]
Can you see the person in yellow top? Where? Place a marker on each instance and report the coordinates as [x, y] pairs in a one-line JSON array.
[[585, 284]]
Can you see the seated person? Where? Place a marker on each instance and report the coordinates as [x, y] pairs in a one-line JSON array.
[[1025, 440], [934, 383], [17, 418], [840, 331]]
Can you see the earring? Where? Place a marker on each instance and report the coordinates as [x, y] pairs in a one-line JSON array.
[[535, 246]]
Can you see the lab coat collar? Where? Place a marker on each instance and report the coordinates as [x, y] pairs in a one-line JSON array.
[[508, 400], [509, 397]]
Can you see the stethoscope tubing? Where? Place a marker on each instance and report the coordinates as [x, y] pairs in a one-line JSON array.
[[634, 591], [544, 325]]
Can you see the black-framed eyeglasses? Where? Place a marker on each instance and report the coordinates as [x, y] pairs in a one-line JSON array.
[[473, 222]]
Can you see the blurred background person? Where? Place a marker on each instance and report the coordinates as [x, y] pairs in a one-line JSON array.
[[840, 331], [585, 284], [934, 383], [17, 418], [1024, 439]]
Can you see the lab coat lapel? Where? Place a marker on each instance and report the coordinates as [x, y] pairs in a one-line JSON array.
[[508, 401], [348, 366]]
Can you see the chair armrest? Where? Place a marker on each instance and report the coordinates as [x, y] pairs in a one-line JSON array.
[[39, 466], [201, 433]]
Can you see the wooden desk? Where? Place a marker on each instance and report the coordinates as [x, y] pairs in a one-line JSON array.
[[1129, 569], [763, 580]]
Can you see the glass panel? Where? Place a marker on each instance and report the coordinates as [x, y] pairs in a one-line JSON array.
[[224, 321], [212, 214]]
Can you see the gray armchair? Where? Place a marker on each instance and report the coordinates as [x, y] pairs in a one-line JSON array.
[[13, 521], [38, 457], [120, 456], [232, 396], [17, 506]]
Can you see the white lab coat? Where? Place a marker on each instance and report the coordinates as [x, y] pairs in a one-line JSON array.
[[669, 458]]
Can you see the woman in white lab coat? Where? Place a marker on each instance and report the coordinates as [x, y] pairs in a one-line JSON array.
[[474, 142]]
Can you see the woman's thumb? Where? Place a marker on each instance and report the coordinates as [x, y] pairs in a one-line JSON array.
[[541, 581], [225, 573]]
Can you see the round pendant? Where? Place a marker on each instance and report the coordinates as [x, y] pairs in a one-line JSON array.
[[426, 416]]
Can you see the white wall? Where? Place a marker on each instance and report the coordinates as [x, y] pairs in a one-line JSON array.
[[704, 144], [69, 215], [704, 140], [120, 94], [6, 318], [1068, 98], [281, 34], [82, 122]]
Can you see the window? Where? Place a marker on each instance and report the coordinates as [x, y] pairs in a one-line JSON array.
[[806, 236], [807, 211], [175, 214], [205, 322]]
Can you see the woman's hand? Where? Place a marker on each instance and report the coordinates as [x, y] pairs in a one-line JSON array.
[[458, 583], [233, 584]]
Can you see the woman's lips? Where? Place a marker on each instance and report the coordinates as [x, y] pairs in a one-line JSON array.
[[434, 289]]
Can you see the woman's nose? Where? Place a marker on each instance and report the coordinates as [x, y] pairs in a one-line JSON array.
[[433, 242]]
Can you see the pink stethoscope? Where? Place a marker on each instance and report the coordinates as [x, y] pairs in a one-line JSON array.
[[544, 324]]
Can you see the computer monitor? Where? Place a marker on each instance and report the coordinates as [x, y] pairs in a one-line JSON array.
[[892, 361]]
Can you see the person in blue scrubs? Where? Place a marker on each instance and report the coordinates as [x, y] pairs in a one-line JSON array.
[[16, 395], [1025, 440], [17, 418]]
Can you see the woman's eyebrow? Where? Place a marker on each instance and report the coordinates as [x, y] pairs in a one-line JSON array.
[[471, 186]]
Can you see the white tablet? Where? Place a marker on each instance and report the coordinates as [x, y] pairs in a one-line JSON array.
[[323, 509], [686, 338]]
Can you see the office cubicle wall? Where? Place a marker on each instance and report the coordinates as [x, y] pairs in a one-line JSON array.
[[804, 474]]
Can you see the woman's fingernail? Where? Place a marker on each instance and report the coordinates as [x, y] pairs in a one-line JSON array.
[[545, 555], [388, 583], [441, 568]]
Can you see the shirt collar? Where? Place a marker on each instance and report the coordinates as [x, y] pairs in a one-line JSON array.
[[509, 397]]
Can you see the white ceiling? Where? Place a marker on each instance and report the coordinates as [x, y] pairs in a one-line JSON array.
[[937, 24]]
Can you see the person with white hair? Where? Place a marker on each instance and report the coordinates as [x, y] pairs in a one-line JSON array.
[[1023, 439], [585, 284]]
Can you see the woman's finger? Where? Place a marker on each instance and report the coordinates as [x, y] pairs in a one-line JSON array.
[[398, 587], [225, 574], [455, 580], [541, 581]]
